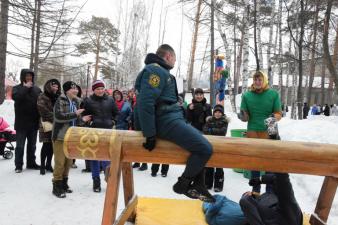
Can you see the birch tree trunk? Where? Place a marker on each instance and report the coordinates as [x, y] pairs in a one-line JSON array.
[[300, 63], [259, 38], [97, 58], [255, 36], [280, 51], [3, 47], [212, 53], [322, 83], [272, 23], [194, 43], [37, 40], [228, 61], [31, 58], [239, 62], [294, 95], [335, 62], [245, 71], [328, 59], [286, 93], [313, 54]]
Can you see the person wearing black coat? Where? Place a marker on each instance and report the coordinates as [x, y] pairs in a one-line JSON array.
[[103, 110], [26, 124], [306, 110], [198, 110], [46, 102], [215, 125], [327, 110], [277, 208]]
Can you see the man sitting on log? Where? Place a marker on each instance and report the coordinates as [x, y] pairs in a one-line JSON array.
[[157, 114]]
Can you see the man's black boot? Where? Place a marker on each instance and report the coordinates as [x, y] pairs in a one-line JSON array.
[[136, 165], [201, 192], [143, 167], [65, 186], [198, 189], [96, 184], [219, 181], [58, 189], [182, 185]]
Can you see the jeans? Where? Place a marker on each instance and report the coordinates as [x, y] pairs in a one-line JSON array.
[[95, 166], [21, 136]]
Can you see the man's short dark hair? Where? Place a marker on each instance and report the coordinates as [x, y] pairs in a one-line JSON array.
[[163, 49]]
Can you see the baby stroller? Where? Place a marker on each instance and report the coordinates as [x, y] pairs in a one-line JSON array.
[[7, 136]]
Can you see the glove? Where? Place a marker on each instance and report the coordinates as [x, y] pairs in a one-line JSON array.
[[271, 123], [254, 181], [150, 143]]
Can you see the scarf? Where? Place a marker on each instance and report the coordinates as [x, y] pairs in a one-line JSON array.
[[119, 104]]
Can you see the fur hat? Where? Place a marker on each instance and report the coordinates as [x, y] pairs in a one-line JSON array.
[[68, 85], [97, 84], [219, 108]]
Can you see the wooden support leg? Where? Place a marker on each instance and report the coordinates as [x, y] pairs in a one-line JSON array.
[[128, 186], [324, 202], [112, 192]]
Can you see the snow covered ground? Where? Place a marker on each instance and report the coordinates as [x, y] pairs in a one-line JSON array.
[[26, 198]]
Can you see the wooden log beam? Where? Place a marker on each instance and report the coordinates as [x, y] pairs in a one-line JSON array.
[[254, 154]]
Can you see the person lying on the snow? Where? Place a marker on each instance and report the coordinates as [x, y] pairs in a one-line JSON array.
[[217, 124], [278, 207], [158, 114]]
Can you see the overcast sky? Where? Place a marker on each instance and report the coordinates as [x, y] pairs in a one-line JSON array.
[[109, 8]]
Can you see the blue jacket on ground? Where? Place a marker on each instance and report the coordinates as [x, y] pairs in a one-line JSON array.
[[223, 212]]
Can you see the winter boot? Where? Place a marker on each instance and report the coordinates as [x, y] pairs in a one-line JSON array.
[[33, 166], [182, 185], [96, 184], [209, 177], [219, 180], [199, 190], [87, 169], [65, 185], [194, 190], [58, 189], [143, 167], [136, 165], [42, 167], [42, 171]]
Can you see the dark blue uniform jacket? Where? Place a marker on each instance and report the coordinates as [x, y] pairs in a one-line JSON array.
[[156, 97]]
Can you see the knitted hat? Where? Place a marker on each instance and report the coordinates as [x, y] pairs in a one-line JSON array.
[[68, 85], [53, 82], [97, 84], [219, 108], [198, 91]]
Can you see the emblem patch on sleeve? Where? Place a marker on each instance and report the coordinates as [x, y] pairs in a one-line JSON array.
[[154, 80]]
